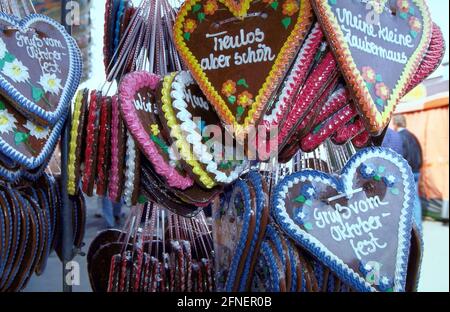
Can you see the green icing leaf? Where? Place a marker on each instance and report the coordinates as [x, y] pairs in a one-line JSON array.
[[274, 5], [379, 78], [317, 129], [301, 199], [309, 226], [413, 33], [21, 137], [2, 64], [142, 199], [332, 2], [9, 57], [395, 191], [243, 83], [308, 203], [381, 169], [187, 36], [196, 7], [286, 22], [380, 102], [37, 94], [201, 17], [411, 11], [160, 143], [232, 99], [2, 105], [369, 85], [240, 111], [377, 178], [403, 15]]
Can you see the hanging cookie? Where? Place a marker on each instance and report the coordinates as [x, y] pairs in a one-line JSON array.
[[343, 221], [40, 67], [378, 50], [137, 105], [239, 54], [187, 116]]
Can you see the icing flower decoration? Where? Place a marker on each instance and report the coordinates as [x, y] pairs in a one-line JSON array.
[[415, 24], [155, 130], [3, 49], [190, 25], [36, 131], [290, 7], [210, 7], [385, 284], [390, 180], [16, 71], [378, 5], [301, 216], [382, 91], [367, 171], [245, 99], [7, 122], [229, 88], [308, 191], [50, 83], [369, 74], [403, 5]]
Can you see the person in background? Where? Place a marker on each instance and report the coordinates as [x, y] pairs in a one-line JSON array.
[[412, 152], [111, 212], [393, 140]]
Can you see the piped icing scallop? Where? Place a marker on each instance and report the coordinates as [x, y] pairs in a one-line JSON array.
[[191, 120]]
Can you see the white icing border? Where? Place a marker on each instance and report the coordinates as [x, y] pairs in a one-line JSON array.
[[183, 79], [130, 170]]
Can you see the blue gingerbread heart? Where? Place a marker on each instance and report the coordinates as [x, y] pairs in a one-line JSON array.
[[359, 223]]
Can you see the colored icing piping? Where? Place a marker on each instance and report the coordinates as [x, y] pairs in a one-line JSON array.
[[177, 133], [71, 175], [90, 138], [102, 145], [113, 186], [201, 152], [328, 128], [296, 78], [312, 87], [130, 84], [130, 171]]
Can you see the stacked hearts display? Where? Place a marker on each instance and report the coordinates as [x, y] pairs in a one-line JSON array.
[[40, 69]]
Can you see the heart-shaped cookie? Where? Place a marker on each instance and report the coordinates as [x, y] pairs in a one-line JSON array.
[[24, 141], [379, 46], [359, 223], [191, 120], [40, 67], [138, 109], [240, 51]]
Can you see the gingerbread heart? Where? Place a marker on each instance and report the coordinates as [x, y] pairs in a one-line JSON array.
[[379, 46], [359, 223], [40, 67], [23, 141], [239, 52], [137, 94]]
